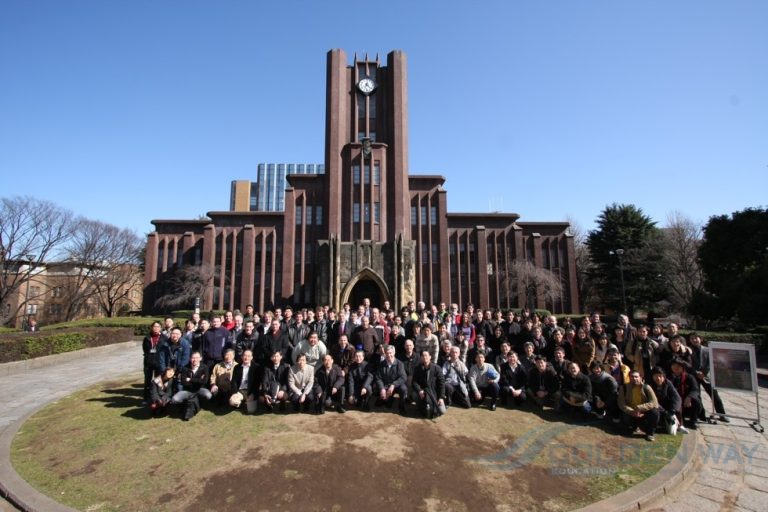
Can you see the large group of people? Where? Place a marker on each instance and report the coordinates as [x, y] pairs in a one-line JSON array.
[[639, 378]]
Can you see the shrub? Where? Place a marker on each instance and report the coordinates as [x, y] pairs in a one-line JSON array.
[[23, 345], [756, 339], [139, 325]]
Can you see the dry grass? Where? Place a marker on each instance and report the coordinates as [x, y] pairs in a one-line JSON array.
[[98, 450]]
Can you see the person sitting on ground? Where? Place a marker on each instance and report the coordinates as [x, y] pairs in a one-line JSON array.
[[410, 360], [359, 381], [193, 379], [274, 382], [513, 381], [670, 404], [162, 391], [221, 376], [245, 383], [329, 386], [480, 348], [605, 392], [576, 391], [639, 406], [543, 384], [483, 381], [301, 379], [686, 386], [391, 380], [456, 373], [429, 387]]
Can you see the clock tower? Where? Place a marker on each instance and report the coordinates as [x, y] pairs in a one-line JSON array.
[[366, 162]]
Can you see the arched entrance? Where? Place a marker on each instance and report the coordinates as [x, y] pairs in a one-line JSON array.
[[368, 284]]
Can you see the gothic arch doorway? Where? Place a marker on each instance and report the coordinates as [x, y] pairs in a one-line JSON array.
[[368, 284]]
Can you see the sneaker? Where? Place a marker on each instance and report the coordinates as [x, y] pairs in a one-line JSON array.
[[724, 418], [650, 438], [341, 409], [682, 429], [672, 429]]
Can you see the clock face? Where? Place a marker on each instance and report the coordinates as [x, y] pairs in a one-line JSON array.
[[366, 86]]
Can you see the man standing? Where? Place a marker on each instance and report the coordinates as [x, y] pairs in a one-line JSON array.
[[367, 337], [246, 340], [429, 387], [639, 406], [215, 340], [700, 369]]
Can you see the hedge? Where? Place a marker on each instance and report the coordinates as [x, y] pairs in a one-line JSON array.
[[23, 345], [139, 325], [756, 339]]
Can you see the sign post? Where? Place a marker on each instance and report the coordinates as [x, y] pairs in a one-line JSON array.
[[734, 366]]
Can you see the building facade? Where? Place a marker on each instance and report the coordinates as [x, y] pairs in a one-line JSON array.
[[365, 227]]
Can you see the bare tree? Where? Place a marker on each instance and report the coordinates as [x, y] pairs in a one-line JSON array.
[[101, 265], [31, 232], [186, 284], [119, 276], [584, 267], [531, 281], [680, 244]]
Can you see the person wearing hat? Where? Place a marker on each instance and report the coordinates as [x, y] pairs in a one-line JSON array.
[[686, 386], [669, 400], [639, 406]]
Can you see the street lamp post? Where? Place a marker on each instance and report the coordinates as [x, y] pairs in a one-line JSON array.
[[30, 259], [620, 254]]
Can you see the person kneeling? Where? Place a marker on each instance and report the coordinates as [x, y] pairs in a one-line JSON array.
[[193, 378], [161, 392], [429, 387], [484, 381], [639, 406], [301, 379], [274, 382]]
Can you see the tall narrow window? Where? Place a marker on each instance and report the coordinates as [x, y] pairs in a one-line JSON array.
[[414, 220], [367, 210], [377, 172], [356, 174], [356, 212], [433, 215], [299, 213], [367, 178], [309, 215], [319, 215], [376, 212]]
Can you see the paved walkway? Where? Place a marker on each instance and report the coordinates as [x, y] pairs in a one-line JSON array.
[[733, 458], [55, 377], [733, 462]]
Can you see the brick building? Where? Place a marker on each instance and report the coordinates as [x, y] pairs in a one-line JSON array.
[[364, 228]]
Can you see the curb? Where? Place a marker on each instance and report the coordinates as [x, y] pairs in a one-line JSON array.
[[680, 469]]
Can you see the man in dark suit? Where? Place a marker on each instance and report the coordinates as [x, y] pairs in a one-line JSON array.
[[245, 382], [429, 387], [359, 380], [274, 381], [390, 380], [329, 386]]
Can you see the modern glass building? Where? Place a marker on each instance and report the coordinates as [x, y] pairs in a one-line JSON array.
[[267, 193]]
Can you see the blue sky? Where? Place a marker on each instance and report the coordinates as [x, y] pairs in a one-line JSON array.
[[128, 111]]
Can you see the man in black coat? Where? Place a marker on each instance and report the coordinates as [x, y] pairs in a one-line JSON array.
[[276, 340], [359, 380], [193, 379], [248, 339], [543, 384], [513, 380], [670, 403], [686, 386], [329, 386], [390, 380], [576, 391], [274, 381], [429, 387]]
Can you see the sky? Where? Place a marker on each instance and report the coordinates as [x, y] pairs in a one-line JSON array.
[[129, 111]]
